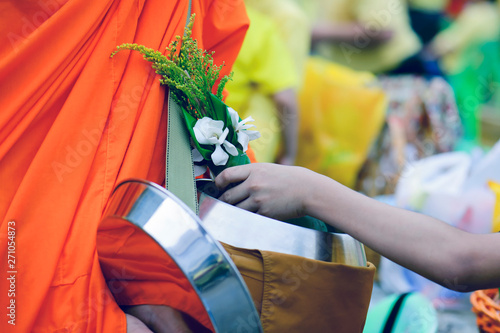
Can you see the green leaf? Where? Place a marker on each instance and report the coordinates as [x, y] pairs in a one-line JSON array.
[[219, 112], [190, 74]]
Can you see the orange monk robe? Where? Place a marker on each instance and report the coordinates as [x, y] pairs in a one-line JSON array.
[[73, 124], [139, 271]]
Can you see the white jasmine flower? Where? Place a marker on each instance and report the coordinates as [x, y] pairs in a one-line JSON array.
[[210, 132], [241, 129], [197, 157]]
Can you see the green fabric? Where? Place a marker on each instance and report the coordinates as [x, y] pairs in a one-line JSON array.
[[179, 178], [309, 222], [179, 170], [415, 306], [477, 84]]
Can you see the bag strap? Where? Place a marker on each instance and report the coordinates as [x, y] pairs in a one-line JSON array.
[[391, 319], [179, 173]]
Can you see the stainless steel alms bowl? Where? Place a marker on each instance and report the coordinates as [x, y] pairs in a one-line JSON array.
[[193, 243], [178, 231], [241, 228]]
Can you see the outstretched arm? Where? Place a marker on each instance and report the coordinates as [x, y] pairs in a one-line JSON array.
[[451, 257], [350, 33]]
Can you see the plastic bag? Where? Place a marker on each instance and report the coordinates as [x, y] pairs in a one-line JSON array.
[[452, 187], [342, 112]]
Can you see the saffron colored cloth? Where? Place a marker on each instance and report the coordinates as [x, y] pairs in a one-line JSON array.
[[73, 124], [139, 271]]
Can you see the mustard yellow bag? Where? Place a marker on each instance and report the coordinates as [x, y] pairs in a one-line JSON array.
[[341, 114], [298, 295]]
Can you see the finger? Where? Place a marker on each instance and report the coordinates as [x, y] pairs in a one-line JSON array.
[[232, 175], [235, 194], [249, 205]]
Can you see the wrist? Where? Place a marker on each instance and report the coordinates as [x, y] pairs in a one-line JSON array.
[[312, 193]]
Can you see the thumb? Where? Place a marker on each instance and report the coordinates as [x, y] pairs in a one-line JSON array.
[[231, 175]]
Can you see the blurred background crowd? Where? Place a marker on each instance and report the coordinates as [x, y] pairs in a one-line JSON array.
[[378, 94]]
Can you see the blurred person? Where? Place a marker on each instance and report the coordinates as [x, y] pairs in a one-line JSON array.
[[367, 35], [264, 86], [293, 26], [329, 95], [426, 17], [427, 20], [464, 51], [465, 32], [74, 124]]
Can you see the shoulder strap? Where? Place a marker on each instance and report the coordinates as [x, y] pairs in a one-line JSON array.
[[179, 177], [188, 14], [391, 319]]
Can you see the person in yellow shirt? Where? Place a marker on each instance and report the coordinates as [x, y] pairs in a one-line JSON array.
[[264, 87], [327, 115], [367, 35], [292, 24], [465, 32]]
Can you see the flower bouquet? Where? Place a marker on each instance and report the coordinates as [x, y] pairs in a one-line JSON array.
[[218, 135]]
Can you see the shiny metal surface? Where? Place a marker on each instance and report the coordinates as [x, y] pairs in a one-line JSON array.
[[240, 228], [202, 259]]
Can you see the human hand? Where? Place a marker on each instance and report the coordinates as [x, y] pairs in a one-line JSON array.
[[272, 190], [134, 325], [357, 34], [160, 319]]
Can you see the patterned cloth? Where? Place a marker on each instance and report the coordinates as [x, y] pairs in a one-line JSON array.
[[422, 120]]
